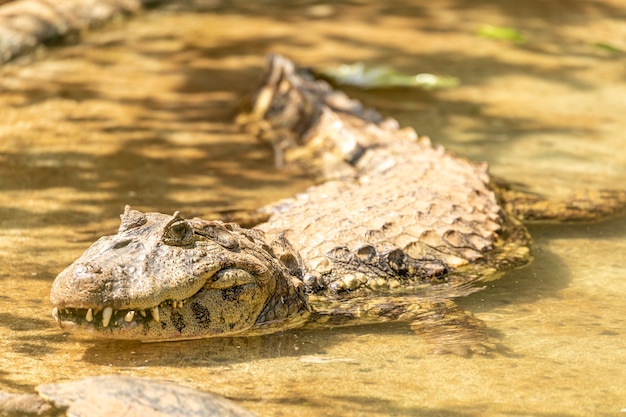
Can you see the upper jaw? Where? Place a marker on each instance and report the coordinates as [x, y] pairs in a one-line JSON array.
[[99, 303], [86, 294], [123, 292], [135, 278]]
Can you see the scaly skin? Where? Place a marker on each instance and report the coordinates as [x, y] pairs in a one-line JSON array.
[[398, 229]]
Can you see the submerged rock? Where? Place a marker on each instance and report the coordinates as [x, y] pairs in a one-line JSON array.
[[118, 395]]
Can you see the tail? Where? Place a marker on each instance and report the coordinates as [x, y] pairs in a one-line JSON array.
[[583, 206]]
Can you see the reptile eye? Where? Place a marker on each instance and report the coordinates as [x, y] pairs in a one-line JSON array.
[[179, 233], [178, 230]]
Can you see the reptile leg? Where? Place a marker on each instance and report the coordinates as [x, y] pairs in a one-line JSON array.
[[440, 322], [449, 329]]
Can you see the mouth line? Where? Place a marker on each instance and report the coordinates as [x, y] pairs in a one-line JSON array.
[[107, 316]]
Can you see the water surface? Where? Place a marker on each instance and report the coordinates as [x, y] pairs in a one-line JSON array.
[[140, 113]]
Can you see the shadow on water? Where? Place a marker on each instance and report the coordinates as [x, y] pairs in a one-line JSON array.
[[215, 352], [140, 171], [368, 404], [547, 274], [385, 406], [127, 170]]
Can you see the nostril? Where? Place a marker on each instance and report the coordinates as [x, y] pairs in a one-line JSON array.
[[121, 244]]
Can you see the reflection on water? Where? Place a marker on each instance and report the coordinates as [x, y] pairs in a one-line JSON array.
[[140, 114]]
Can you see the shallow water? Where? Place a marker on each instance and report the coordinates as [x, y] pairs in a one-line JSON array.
[[139, 113]]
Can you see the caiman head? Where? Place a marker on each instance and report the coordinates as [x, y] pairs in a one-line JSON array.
[[163, 277]]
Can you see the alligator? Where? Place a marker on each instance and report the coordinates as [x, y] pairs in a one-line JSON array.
[[395, 230]]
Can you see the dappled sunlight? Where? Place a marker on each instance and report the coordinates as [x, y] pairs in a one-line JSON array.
[[141, 113]]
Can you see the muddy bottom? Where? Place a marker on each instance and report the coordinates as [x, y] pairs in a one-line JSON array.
[[140, 113]]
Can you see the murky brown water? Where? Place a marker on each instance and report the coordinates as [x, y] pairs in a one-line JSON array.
[[140, 114]]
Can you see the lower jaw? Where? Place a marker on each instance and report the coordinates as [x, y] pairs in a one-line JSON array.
[[114, 330], [136, 332], [142, 329]]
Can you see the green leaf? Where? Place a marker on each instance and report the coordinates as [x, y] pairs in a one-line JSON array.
[[501, 33], [608, 48], [383, 77]]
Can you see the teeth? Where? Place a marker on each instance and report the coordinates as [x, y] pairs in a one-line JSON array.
[[108, 313], [55, 315], [155, 314], [106, 316], [129, 316], [89, 315]]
